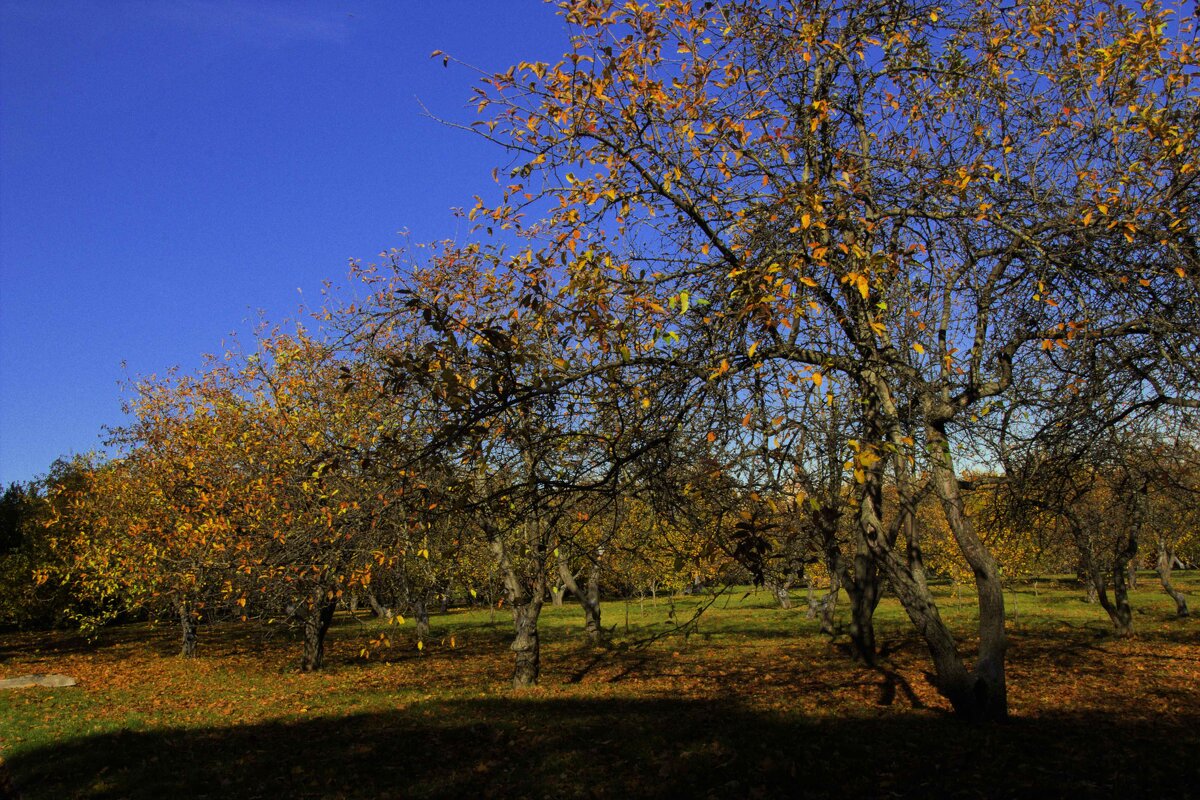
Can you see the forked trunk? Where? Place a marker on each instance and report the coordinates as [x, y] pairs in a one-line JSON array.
[[780, 591], [526, 607], [1166, 561], [864, 591], [825, 609], [377, 608], [1120, 613], [316, 625], [861, 580], [589, 597], [981, 694]]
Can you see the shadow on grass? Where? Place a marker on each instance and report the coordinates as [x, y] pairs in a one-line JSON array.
[[543, 747]]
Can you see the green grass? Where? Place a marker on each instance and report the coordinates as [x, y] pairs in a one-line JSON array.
[[751, 701]]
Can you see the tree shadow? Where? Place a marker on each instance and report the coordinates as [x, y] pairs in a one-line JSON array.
[[664, 748]]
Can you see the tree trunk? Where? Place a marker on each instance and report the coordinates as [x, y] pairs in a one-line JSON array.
[[316, 625], [421, 610], [862, 583], [556, 595], [187, 626], [827, 606], [1166, 561], [526, 644], [865, 592], [983, 695], [526, 607], [377, 608], [780, 590], [1117, 608], [589, 598]]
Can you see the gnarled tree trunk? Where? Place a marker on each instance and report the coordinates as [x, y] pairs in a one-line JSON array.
[[1166, 561], [526, 608], [589, 597], [526, 645], [316, 625], [982, 693], [378, 609]]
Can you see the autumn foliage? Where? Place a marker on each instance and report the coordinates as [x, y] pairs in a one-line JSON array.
[[850, 298]]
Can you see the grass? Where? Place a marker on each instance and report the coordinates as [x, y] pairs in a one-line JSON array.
[[753, 702]]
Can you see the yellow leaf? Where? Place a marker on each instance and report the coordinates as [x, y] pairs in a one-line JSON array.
[[918, 347]]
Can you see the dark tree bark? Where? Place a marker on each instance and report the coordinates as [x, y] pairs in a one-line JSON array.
[[526, 644], [1117, 607], [860, 579], [1120, 613], [316, 625]]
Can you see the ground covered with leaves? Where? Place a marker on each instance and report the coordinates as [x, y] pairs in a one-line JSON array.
[[750, 702]]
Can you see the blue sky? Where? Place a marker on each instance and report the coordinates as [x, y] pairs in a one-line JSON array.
[[169, 168]]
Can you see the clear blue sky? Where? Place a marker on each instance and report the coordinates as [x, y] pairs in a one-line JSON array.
[[169, 167]]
